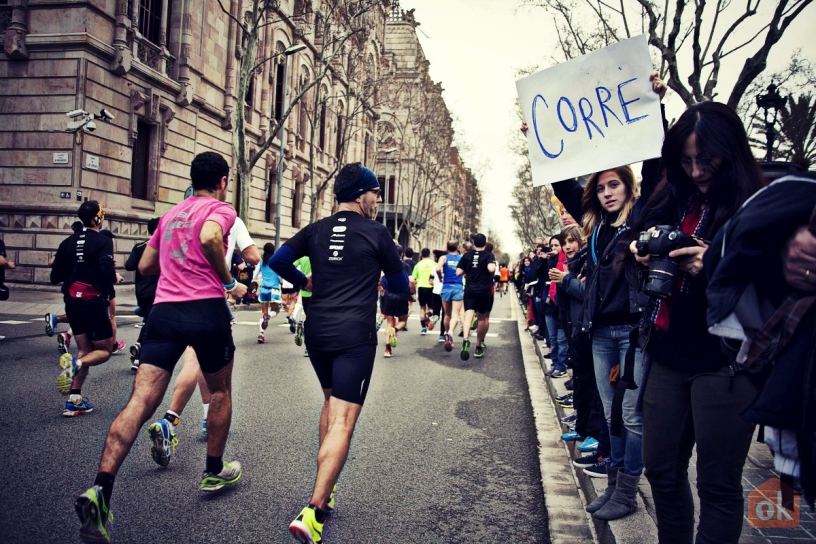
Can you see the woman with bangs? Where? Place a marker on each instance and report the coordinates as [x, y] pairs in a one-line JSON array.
[[691, 394]]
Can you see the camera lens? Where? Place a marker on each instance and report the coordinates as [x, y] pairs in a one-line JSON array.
[[660, 282]]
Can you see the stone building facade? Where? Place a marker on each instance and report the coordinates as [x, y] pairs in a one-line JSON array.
[[168, 71]]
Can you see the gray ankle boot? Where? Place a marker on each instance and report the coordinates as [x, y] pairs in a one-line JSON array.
[[623, 501], [600, 500]]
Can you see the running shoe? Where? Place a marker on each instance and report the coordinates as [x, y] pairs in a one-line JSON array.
[[73, 409], [430, 324], [230, 474], [203, 431], [448, 343], [570, 418], [588, 445], [63, 342], [571, 436], [164, 442], [387, 351], [465, 353], [563, 397], [68, 369], [305, 352], [261, 338], [264, 323], [424, 331], [392, 337], [598, 470], [558, 373], [473, 323], [479, 353], [135, 351], [434, 319], [441, 338], [50, 324], [331, 504], [305, 528], [380, 319], [588, 460], [566, 403], [93, 515], [291, 324], [299, 334], [117, 349]]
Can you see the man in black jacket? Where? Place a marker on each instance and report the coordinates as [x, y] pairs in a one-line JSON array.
[[145, 290], [84, 264]]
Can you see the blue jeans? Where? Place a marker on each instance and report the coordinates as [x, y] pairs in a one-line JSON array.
[[609, 345], [560, 361], [552, 335]]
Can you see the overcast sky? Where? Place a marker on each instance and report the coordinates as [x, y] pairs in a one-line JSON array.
[[475, 48]]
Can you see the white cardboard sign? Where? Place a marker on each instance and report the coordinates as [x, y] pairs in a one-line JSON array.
[[592, 113]]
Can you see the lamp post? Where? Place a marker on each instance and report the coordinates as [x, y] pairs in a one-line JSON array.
[[282, 134], [775, 102], [387, 184]]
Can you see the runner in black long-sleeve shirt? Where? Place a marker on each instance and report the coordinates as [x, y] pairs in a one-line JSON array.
[[84, 265]]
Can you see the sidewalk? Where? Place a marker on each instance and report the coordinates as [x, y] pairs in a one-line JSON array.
[[641, 526]]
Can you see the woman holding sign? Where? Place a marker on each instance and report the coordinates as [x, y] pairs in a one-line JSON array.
[[608, 207], [691, 395]]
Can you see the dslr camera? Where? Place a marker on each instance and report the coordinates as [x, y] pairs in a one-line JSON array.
[[657, 244]]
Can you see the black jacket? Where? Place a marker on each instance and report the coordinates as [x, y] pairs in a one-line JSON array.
[[617, 296], [756, 234], [145, 285], [85, 256]]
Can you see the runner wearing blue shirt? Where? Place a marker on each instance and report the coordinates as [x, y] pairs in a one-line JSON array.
[[269, 292], [452, 290]]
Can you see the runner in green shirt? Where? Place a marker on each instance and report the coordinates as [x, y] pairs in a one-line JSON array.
[[423, 271]]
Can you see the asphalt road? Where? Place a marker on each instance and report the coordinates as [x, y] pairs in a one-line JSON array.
[[445, 450]]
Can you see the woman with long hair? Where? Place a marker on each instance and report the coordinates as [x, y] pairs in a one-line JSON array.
[[608, 206], [690, 394]]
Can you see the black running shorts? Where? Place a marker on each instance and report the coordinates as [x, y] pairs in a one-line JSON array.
[[393, 306], [89, 317], [425, 296], [202, 324], [346, 372], [481, 303]]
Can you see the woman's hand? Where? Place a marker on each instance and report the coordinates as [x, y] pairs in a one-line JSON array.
[[658, 86], [799, 260], [557, 275], [691, 257], [645, 261]]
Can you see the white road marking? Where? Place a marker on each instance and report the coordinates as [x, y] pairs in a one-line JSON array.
[[14, 322]]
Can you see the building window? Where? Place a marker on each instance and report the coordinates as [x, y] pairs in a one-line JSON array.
[[141, 161], [272, 195], [149, 18], [339, 144], [278, 105], [322, 135]]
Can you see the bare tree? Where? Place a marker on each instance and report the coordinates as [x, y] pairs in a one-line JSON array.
[[348, 18], [702, 35]]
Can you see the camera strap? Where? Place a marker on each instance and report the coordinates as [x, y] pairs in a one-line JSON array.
[[626, 382]]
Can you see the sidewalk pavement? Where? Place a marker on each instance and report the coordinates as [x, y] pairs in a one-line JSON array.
[[25, 300], [641, 526]]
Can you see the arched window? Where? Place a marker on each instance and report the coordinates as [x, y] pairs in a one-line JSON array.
[[304, 107], [278, 101], [324, 99]]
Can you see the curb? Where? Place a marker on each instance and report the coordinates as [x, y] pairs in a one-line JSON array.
[[564, 497]]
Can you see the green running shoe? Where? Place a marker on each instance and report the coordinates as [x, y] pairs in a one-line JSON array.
[[68, 369], [230, 474], [305, 528], [465, 353], [479, 353], [392, 337], [93, 514], [331, 504]]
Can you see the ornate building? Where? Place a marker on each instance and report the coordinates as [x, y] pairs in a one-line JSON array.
[[169, 72]]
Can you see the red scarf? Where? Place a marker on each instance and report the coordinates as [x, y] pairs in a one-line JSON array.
[[691, 221]]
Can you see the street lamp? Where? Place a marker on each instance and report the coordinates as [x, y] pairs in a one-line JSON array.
[[771, 101], [385, 200], [286, 54]]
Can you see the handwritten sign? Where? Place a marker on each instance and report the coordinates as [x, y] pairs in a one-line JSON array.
[[592, 113]]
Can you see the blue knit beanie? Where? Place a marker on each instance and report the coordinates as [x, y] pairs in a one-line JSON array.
[[348, 187]]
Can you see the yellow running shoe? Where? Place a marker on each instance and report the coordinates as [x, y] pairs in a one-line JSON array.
[[305, 528], [330, 505]]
